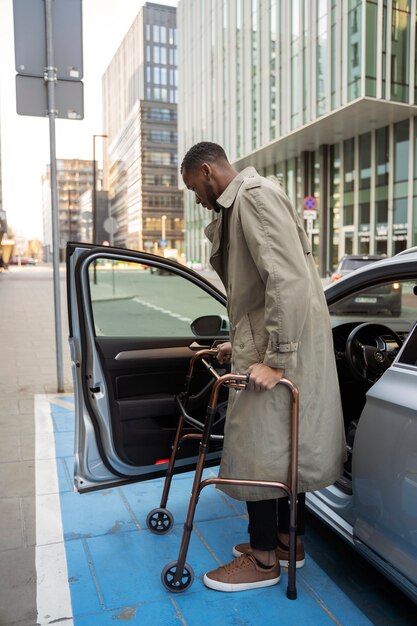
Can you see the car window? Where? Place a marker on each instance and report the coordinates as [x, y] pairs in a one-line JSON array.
[[409, 355], [128, 300], [387, 300]]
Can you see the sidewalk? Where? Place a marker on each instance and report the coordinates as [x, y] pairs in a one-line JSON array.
[[27, 367]]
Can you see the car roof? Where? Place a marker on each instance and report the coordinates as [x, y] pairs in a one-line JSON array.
[[365, 257]]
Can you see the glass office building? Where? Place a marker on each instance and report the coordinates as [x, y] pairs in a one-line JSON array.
[[140, 95], [321, 94], [74, 177]]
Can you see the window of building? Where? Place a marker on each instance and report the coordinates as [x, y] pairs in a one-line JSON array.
[[354, 44], [371, 46], [363, 245], [295, 64], [349, 243], [381, 217], [365, 161], [401, 151], [348, 215], [321, 56], [400, 214], [400, 47], [382, 157], [157, 158], [349, 164], [334, 202], [156, 33], [364, 216]]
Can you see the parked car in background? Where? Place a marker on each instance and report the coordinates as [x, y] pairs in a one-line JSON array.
[[22, 260], [382, 300], [131, 341], [352, 262]]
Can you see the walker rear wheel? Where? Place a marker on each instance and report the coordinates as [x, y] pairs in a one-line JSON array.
[[168, 576], [159, 521]]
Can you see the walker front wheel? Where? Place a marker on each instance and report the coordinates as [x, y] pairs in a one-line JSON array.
[[160, 521], [168, 577]]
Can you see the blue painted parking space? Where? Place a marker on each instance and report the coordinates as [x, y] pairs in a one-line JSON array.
[[114, 562]]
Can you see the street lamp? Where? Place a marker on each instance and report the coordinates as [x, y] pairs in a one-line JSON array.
[[94, 197]]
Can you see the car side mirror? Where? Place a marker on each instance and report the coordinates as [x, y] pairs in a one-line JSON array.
[[211, 326]]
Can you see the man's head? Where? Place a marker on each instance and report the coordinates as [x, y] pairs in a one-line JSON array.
[[206, 170]]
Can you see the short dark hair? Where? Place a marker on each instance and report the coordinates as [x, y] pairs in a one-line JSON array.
[[201, 153]]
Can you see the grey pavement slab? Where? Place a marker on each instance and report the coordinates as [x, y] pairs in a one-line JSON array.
[[28, 367]]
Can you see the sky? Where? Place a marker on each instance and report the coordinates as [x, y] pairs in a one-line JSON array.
[[25, 139]]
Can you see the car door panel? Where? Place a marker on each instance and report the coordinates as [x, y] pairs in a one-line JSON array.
[[143, 384], [385, 470], [126, 384]]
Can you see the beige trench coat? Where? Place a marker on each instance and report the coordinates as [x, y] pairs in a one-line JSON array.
[[278, 315]]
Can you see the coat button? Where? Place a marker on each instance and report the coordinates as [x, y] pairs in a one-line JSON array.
[[242, 345]]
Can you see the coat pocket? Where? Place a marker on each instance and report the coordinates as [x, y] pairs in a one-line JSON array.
[[245, 352]]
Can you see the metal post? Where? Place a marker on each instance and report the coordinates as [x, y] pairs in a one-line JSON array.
[[94, 200], [50, 77], [69, 214], [94, 207]]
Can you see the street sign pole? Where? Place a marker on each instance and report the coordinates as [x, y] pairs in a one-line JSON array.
[[50, 79]]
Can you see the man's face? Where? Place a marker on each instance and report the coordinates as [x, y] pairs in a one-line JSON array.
[[201, 182]]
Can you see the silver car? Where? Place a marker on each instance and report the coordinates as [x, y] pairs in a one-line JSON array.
[[131, 341]]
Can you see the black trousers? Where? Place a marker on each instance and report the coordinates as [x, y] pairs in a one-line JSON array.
[[266, 517]]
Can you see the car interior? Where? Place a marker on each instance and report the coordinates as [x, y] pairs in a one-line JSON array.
[[366, 343]]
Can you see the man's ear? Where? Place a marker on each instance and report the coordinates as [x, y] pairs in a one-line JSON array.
[[207, 170]]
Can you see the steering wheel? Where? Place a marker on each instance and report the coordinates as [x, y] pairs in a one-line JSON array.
[[367, 353]]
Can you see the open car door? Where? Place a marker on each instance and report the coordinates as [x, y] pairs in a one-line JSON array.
[[131, 343]]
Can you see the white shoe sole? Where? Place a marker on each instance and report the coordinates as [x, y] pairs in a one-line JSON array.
[[283, 563], [228, 587]]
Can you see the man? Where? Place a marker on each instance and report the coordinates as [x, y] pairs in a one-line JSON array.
[[279, 326]]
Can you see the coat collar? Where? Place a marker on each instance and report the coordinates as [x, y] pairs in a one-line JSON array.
[[229, 194]]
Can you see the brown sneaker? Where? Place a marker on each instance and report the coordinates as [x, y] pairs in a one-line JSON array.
[[281, 552], [241, 574]]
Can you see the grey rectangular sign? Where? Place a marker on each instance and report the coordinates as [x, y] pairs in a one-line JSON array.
[[32, 98], [30, 38]]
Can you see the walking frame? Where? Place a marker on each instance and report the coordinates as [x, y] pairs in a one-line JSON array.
[[178, 575]]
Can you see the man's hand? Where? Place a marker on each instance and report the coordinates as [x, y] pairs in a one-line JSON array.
[[262, 377], [224, 354]]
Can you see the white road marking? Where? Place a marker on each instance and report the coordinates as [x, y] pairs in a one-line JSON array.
[[155, 307], [53, 597]]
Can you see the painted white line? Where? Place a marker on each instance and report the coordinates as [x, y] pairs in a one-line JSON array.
[[52, 594], [64, 403], [161, 310]]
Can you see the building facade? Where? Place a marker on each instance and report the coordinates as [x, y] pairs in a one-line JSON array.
[[140, 120], [3, 220], [321, 94], [74, 177]]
